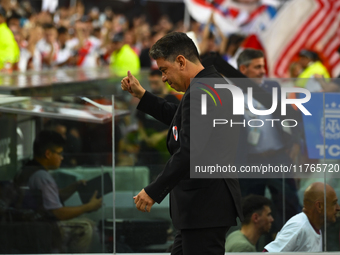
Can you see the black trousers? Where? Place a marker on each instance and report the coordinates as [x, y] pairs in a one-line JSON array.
[[200, 241]]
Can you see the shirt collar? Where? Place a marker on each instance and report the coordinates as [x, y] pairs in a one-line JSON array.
[[206, 71]]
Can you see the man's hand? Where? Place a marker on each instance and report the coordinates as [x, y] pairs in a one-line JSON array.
[[143, 201], [95, 203], [132, 85]]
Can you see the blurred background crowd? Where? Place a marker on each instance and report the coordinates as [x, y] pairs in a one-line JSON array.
[[40, 35]]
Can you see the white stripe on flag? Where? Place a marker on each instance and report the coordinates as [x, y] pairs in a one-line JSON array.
[[295, 28]]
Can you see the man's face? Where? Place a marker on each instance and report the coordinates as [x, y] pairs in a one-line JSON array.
[[116, 46], [304, 61], [156, 84], [50, 35], [255, 70], [63, 38], [88, 28], [265, 220], [54, 157], [64, 12], [172, 74], [14, 23], [17, 34], [332, 207]]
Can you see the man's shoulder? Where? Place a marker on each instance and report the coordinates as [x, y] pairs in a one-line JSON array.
[[237, 242], [42, 175], [296, 224], [36, 178], [126, 50], [237, 237], [235, 234], [208, 72]]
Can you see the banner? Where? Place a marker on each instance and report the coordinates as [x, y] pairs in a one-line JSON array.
[[234, 17], [323, 126]]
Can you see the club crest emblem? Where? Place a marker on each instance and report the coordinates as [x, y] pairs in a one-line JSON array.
[[175, 132]]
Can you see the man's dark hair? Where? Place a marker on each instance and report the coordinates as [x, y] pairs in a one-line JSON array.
[[155, 73], [313, 56], [172, 45], [247, 56], [96, 30], [252, 204], [2, 12], [236, 40], [14, 15], [62, 30], [47, 140], [48, 26]]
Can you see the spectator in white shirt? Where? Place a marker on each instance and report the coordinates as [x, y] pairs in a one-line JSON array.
[[65, 53], [30, 57], [87, 45], [302, 232], [48, 46]]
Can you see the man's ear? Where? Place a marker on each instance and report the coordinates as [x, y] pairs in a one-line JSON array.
[[181, 60], [48, 153], [255, 217], [319, 206], [243, 68]]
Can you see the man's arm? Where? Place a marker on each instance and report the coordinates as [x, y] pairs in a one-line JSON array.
[[155, 106], [286, 240], [66, 213], [176, 169]]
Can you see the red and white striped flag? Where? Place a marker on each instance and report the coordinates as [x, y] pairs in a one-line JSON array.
[[232, 16], [301, 24]]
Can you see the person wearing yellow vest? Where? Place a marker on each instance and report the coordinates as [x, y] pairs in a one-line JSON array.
[[311, 66], [123, 57], [9, 49]]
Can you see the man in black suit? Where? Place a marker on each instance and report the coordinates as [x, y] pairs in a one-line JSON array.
[[202, 210]]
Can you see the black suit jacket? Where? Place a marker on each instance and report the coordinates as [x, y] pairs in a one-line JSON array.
[[194, 203]]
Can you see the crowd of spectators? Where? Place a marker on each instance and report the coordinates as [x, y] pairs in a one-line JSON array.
[[72, 36]]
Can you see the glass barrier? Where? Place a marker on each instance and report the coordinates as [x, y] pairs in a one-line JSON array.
[[120, 160], [330, 129], [55, 175]]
